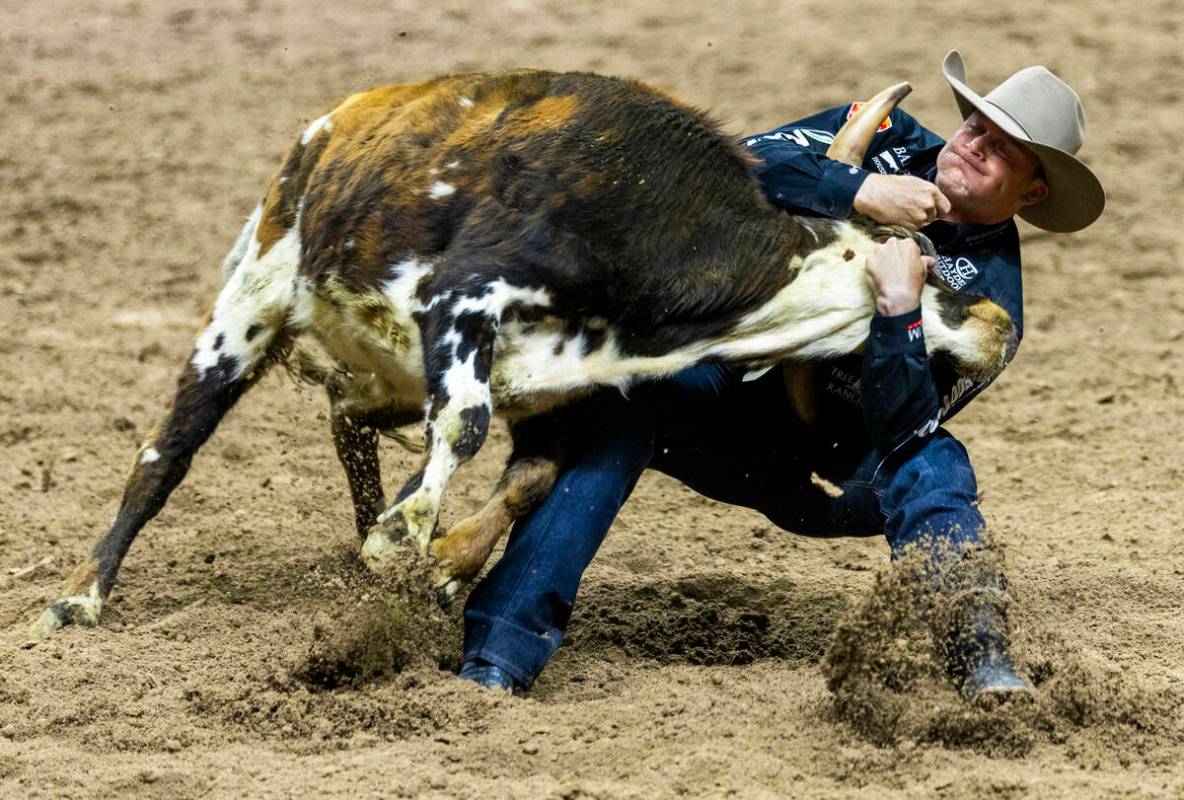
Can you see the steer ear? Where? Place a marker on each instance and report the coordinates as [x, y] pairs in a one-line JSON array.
[[852, 140]]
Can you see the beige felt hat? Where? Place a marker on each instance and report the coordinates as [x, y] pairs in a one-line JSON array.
[[1042, 111]]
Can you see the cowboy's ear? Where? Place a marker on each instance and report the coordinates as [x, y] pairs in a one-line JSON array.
[[1037, 190]]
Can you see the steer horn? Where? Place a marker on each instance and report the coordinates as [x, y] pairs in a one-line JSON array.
[[853, 139], [849, 147]]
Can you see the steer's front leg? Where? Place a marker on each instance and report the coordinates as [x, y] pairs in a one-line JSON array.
[[459, 357], [530, 473]]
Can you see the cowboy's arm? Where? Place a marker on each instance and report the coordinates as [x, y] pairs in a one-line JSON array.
[[898, 393], [796, 174], [904, 394]]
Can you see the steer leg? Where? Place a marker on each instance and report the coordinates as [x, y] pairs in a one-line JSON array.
[[458, 353], [215, 377], [248, 328], [355, 437], [530, 473]]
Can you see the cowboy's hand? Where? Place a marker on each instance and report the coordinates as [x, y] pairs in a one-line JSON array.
[[897, 271], [901, 200]]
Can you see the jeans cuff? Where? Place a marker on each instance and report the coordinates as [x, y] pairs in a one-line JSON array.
[[520, 652]]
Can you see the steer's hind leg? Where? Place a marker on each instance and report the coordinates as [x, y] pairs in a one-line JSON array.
[[247, 329], [458, 354], [204, 395], [530, 473], [355, 437]]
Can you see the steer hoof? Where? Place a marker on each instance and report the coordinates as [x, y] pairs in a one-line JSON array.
[[83, 611], [378, 550], [381, 545], [446, 592]]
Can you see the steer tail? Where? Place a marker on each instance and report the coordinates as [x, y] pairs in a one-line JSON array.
[[248, 328]]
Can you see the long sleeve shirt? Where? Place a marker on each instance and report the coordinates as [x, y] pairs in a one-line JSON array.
[[901, 393]]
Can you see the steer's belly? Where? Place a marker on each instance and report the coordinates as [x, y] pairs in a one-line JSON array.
[[823, 311], [375, 341], [540, 365]]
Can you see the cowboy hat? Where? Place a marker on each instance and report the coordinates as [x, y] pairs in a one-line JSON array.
[[1041, 111]]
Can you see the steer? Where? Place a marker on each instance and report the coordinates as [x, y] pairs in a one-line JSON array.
[[508, 242]]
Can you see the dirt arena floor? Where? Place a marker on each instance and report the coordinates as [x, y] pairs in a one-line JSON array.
[[138, 135]]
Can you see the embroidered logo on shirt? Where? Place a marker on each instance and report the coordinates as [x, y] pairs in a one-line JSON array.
[[956, 272], [885, 125], [843, 384], [799, 136], [957, 391], [891, 161]]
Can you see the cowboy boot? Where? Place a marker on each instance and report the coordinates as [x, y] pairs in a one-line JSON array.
[[972, 639], [490, 676]]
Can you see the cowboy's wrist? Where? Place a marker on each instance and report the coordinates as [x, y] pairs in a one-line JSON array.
[[892, 303], [873, 200]]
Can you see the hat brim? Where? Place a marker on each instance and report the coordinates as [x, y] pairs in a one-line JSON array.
[[1075, 198]]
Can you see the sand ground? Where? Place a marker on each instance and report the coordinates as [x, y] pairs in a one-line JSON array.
[[138, 135]]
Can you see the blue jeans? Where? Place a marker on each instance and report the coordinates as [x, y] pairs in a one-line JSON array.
[[731, 441]]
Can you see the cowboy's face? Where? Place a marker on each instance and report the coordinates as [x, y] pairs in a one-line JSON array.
[[986, 174]]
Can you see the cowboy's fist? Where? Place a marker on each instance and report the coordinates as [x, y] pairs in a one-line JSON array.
[[901, 200], [897, 271]]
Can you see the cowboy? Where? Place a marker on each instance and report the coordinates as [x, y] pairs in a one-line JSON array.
[[876, 431]]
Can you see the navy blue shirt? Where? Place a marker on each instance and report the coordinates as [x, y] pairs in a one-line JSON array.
[[901, 393]]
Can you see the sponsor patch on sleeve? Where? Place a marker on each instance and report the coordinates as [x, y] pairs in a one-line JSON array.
[[885, 125]]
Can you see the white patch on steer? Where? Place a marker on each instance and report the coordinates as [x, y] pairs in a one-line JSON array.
[[241, 244], [823, 312], [465, 102], [462, 385], [965, 343], [436, 300], [548, 361], [406, 277], [259, 291], [149, 455], [441, 189], [300, 316], [315, 127], [90, 603], [452, 165], [500, 294]]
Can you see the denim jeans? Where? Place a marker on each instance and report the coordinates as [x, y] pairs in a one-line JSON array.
[[728, 440]]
